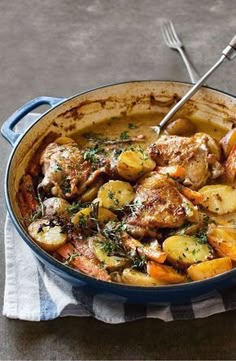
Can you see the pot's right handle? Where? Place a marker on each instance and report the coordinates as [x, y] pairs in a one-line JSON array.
[[8, 125]]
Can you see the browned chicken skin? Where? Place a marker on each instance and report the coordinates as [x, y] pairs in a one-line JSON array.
[[159, 204], [66, 173], [193, 153]]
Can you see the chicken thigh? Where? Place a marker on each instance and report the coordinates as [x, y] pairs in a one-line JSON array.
[[196, 154], [159, 204]]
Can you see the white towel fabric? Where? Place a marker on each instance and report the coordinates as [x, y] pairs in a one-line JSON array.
[[34, 293]]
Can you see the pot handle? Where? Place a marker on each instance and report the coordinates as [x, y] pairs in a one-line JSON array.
[[8, 125]]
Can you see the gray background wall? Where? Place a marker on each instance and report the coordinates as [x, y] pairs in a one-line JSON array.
[[62, 47]]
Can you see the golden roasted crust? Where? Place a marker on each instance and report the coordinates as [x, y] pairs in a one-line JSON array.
[[190, 152], [160, 204]]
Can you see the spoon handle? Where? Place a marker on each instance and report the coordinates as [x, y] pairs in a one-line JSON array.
[[228, 53]]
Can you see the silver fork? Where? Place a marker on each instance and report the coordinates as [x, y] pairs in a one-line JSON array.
[[172, 41]]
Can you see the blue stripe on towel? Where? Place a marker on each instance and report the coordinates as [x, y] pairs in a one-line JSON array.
[[84, 296], [48, 309]]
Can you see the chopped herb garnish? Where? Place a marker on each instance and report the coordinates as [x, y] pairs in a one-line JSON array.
[[74, 208], [111, 194], [138, 262], [202, 237], [124, 135], [92, 153]]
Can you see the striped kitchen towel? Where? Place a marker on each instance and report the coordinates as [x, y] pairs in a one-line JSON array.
[[34, 293]]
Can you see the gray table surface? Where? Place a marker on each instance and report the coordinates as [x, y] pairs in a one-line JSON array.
[[62, 47]]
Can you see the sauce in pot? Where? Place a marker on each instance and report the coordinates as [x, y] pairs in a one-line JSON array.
[[120, 205]]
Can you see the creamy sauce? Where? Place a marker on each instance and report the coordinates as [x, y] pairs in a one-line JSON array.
[[140, 125]]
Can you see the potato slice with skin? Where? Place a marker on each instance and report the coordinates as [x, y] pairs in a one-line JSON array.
[[163, 273], [111, 262], [137, 278], [184, 250], [219, 198], [104, 215], [115, 194], [208, 269], [64, 140], [56, 206], [90, 194], [133, 164], [228, 141], [181, 126], [223, 240], [48, 238]]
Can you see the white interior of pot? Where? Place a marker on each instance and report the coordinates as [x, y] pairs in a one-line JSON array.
[[98, 105]]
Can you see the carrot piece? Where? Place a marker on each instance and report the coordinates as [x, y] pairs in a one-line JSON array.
[[164, 273], [175, 171], [23, 206], [66, 250], [230, 165], [91, 267], [27, 191], [193, 196]]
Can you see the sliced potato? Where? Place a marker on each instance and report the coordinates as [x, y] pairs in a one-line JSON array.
[[219, 198], [185, 250], [104, 215], [225, 220], [50, 238], [92, 192], [228, 141], [181, 126], [163, 273], [133, 164], [115, 194], [223, 240], [137, 278], [209, 269], [56, 206], [110, 262], [230, 165], [83, 214]]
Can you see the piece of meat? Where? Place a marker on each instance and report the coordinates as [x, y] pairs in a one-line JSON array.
[[190, 152], [159, 204], [66, 173]]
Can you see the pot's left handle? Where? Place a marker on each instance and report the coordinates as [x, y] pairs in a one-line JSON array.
[[8, 125]]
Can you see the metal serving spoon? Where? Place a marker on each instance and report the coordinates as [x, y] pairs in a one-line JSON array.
[[228, 53]]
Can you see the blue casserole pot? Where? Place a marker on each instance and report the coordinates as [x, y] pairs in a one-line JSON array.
[[67, 116]]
